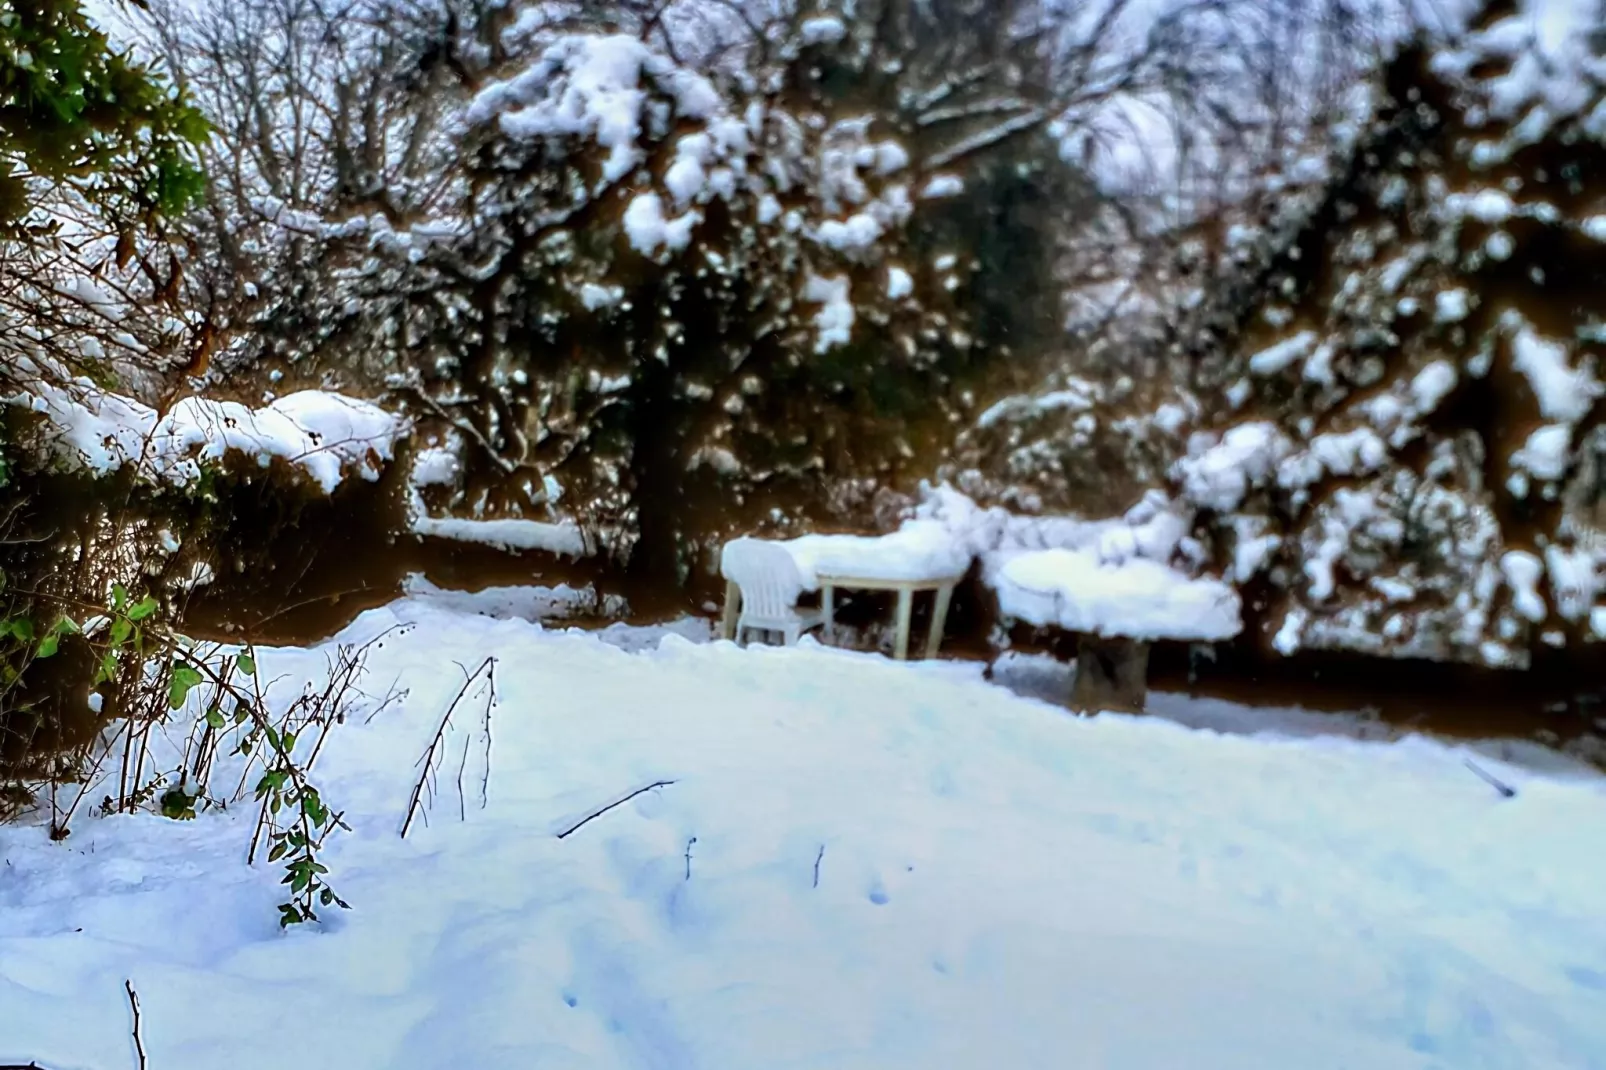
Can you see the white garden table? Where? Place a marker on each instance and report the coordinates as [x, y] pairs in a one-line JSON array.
[[942, 585], [920, 556], [906, 588]]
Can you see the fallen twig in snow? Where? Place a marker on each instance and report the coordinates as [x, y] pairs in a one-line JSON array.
[[817, 860], [431, 759], [688, 856], [1506, 791], [572, 829], [139, 1043]]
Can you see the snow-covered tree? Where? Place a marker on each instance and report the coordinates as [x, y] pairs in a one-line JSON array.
[[671, 292], [97, 158]]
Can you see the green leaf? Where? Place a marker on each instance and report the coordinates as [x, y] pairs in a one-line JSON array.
[[214, 718], [108, 667], [119, 596], [179, 805], [22, 628], [121, 630], [66, 626], [143, 608], [48, 646], [278, 852], [184, 678], [246, 664]]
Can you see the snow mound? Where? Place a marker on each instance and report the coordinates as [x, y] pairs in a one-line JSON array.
[[534, 604], [323, 434], [1135, 600], [510, 534], [855, 864]]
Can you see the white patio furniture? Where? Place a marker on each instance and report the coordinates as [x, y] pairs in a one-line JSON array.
[[921, 556], [943, 586], [762, 584]]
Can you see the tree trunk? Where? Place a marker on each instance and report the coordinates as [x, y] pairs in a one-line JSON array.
[[1111, 674]]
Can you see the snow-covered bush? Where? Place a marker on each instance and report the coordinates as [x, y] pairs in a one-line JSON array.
[[1423, 360]]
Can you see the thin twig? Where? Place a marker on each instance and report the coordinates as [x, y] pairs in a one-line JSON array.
[[133, 1002], [572, 829], [392, 696], [485, 777], [431, 755], [1506, 791], [817, 860], [122, 780], [462, 766], [62, 829], [688, 856]]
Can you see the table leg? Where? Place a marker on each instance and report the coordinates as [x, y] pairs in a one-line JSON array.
[[906, 601], [733, 605], [939, 618], [828, 609]]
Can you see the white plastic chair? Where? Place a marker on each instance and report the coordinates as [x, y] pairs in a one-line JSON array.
[[770, 583]]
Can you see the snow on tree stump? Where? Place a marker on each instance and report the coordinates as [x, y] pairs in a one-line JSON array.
[[1111, 674], [1117, 608]]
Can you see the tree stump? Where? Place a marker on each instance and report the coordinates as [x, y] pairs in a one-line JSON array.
[[1111, 674]]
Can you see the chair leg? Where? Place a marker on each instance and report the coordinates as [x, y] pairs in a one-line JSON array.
[[792, 635], [733, 605], [828, 610]]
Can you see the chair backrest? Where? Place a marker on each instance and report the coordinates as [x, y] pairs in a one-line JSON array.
[[767, 575]]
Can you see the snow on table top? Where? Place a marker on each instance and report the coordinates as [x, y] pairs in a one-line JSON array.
[[1137, 599], [891, 866], [921, 550], [326, 435]]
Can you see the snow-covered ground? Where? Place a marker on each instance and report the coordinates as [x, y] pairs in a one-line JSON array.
[[858, 864]]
